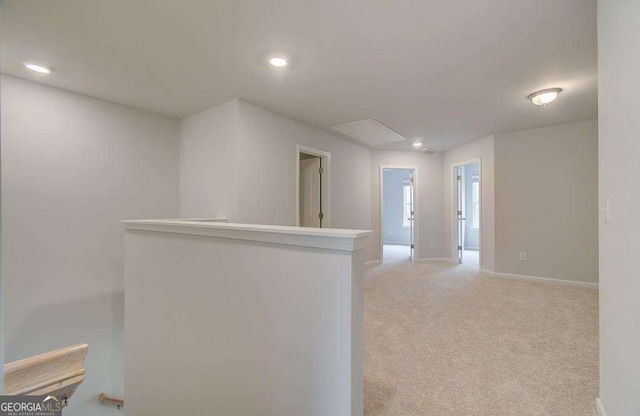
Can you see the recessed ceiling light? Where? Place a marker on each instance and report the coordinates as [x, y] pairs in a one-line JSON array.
[[278, 61], [417, 144], [544, 97], [39, 68]]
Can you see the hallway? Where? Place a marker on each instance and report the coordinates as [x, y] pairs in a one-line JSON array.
[[393, 254], [471, 258]]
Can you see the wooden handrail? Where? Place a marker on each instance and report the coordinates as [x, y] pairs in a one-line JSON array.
[[56, 373], [103, 398]]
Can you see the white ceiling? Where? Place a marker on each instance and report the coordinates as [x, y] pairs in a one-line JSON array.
[[447, 71]]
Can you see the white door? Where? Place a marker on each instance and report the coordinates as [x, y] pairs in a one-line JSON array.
[[310, 193], [460, 211], [412, 215]]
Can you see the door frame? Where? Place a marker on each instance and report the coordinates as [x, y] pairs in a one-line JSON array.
[[415, 208], [453, 211], [326, 182]]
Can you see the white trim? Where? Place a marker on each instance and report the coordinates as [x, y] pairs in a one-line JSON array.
[[454, 248], [435, 259], [217, 219], [600, 407], [415, 207], [326, 184], [539, 279], [327, 238]]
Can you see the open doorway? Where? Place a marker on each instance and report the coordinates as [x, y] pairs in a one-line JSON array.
[[312, 187], [398, 213], [467, 213]]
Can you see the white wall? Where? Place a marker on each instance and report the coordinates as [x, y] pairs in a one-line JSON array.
[[619, 159], [546, 191], [279, 322], [258, 162], [72, 167], [482, 149], [1, 277], [267, 166], [429, 195], [208, 163]]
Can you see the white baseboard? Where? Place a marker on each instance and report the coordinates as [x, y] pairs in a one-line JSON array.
[[375, 263], [371, 264], [436, 259], [540, 279], [600, 407]]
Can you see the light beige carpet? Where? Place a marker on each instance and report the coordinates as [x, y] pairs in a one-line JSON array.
[[396, 254], [442, 340]]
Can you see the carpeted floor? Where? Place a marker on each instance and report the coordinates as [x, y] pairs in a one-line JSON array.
[[442, 340], [471, 258], [396, 254]]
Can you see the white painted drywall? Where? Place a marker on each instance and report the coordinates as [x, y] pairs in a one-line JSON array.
[[482, 149], [447, 70], [1, 277], [267, 191], [279, 324], [72, 167], [429, 199], [257, 162], [619, 159], [546, 190], [208, 163]]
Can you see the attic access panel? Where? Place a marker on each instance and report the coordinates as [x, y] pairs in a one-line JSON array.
[[369, 132]]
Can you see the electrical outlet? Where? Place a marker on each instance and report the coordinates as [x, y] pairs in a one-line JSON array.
[[432, 244], [523, 255]]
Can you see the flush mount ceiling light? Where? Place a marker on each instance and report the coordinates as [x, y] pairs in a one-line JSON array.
[[278, 61], [417, 144], [544, 97], [39, 68]]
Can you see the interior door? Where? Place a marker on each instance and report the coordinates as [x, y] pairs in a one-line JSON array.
[[460, 211], [412, 213], [310, 193]]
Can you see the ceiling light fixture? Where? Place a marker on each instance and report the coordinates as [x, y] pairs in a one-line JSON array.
[[544, 97], [39, 68], [417, 144], [278, 61]]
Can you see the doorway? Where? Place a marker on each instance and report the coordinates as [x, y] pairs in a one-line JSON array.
[[398, 208], [467, 213], [312, 187]]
